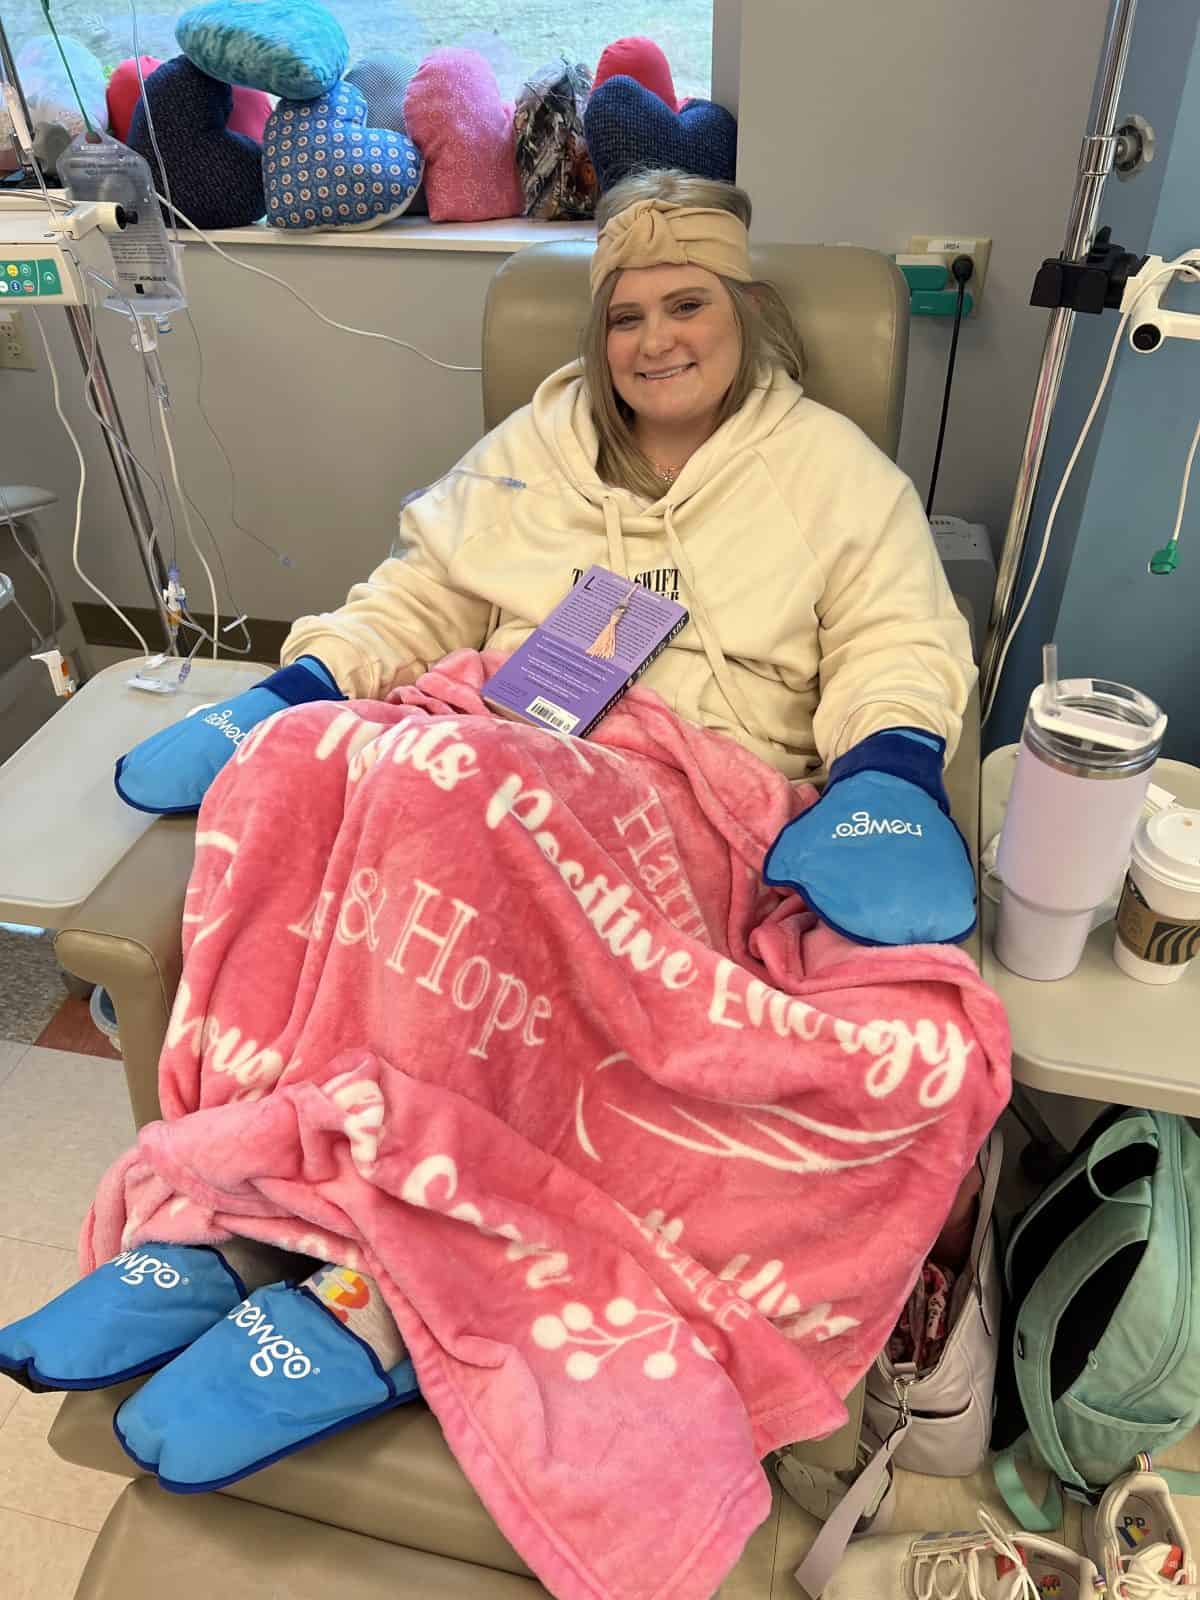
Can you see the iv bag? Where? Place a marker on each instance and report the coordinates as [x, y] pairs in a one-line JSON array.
[[148, 275]]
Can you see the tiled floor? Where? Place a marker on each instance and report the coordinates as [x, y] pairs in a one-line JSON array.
[[63, 1119]]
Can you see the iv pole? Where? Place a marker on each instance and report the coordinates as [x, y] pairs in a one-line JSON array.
[[140, 521], [1096, 160]]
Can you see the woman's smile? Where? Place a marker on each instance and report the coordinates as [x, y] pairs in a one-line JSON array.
[[665, 373]]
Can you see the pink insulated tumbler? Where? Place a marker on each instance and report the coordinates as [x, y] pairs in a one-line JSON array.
[[1083, 769]]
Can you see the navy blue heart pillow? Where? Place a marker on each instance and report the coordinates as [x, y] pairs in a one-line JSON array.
[[628, 127], [215, 175]]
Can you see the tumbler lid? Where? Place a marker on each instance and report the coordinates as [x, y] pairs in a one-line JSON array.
[[1095, 726]]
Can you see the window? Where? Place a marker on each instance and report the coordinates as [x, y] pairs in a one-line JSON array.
[[516, 36]]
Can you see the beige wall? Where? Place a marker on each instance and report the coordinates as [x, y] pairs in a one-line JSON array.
[[860, 121], [868, 121]]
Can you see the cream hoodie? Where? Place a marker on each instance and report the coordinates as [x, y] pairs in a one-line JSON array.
[[819, 609]]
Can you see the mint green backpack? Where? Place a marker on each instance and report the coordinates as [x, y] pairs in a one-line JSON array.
[[1100, 1352]]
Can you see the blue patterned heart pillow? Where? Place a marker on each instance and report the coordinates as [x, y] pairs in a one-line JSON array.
[[324, 168], [292, 48], [628, 127], [215, 176]]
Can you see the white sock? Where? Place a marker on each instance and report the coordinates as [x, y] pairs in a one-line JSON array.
[[355, 1300]]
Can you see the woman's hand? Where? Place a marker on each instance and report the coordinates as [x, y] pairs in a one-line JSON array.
[[170, 772], [878, 857]]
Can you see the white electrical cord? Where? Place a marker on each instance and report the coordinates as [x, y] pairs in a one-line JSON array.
[[41, 572], [137, 61], [70, 432], [187, 521], [6, 515], [342, 327], [155, 479], [1183, 492], [38, 639], [1184, 269], [283, 558], [152, 478]]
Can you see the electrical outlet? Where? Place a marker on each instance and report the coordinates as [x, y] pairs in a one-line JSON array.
[[14, 348], [944, 247]]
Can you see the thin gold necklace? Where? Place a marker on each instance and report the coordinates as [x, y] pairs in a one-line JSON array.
[[667, 474]]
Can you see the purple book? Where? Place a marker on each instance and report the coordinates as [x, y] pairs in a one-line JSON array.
[[590, 649]]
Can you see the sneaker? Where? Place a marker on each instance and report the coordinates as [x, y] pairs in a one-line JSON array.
[[989, 1564], [820, 1490], [1137, 1537]]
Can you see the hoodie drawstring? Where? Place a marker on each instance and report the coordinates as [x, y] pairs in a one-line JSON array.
[[616, 541], [734, 698], [719, 667]]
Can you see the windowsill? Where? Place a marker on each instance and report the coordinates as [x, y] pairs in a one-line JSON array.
[[502, 237]]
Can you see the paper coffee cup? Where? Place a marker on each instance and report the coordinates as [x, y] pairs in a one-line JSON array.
[[1158, 920]]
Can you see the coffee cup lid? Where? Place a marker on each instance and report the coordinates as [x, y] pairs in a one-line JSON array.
[[1167, 845]]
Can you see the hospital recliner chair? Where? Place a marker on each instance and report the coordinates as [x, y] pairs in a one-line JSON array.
[[383, 1510]]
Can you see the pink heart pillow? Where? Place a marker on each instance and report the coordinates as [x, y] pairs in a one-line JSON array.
[[251, 107], [454, 115]]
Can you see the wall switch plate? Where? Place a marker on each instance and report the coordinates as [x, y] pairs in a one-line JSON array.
[[15, 354], [945, 246]]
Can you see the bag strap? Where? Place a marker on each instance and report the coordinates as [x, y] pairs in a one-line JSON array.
[[828, 1548], [1035, 1518], [993, 1162], [1128, 1131], [991, 1153]]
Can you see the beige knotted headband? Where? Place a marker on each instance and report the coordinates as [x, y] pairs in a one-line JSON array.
[[652, 233]]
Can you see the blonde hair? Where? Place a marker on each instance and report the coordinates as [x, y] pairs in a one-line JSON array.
[[766, 331]]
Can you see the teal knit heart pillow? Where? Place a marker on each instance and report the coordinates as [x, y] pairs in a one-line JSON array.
[[324, 168], [293, 48]]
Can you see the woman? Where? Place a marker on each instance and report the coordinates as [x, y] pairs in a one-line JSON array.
[[682, 452]]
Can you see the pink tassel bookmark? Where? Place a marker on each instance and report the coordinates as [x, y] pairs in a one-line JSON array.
[[604, 646]]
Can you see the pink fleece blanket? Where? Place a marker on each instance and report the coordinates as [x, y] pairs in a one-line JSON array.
[[644, 1160]]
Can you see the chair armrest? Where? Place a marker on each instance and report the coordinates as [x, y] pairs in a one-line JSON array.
[[127, 935], [962, 789]]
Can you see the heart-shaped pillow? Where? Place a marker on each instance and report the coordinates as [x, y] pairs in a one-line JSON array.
[[555, 169], [293, 48], [383, 79], [629, 127], [251, 107], [643, 61], [324, 168], [215, 176], [456, 118], [123, 92]]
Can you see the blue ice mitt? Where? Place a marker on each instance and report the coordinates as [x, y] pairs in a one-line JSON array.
[[132, 1315], [878, 857], [278, 1373], [170, 772]]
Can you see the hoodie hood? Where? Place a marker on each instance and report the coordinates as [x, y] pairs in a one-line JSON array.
[[562, 416]]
